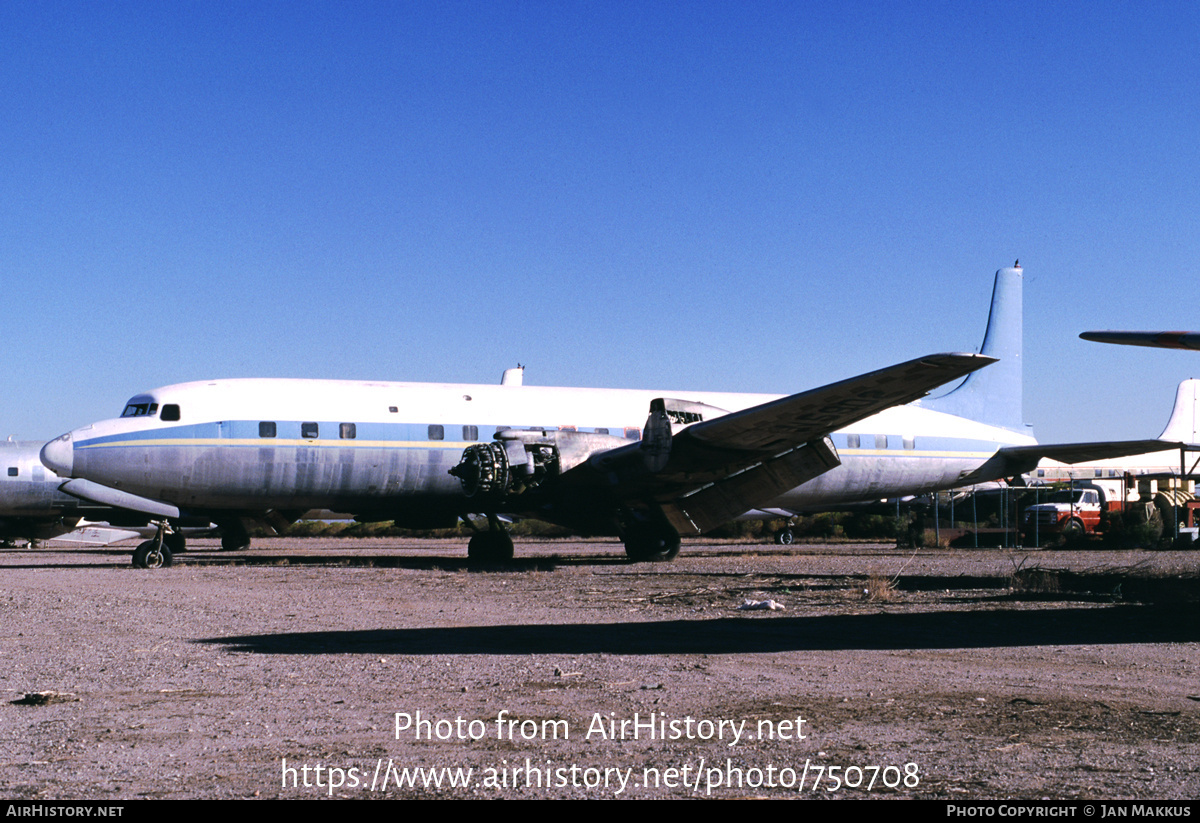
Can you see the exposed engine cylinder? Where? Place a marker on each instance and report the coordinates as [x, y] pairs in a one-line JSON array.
[[521, 460], [483, 469]]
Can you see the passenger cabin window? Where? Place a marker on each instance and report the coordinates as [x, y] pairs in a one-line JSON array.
[[309, 430], [910, 443], [602, 430], [470, 433], [633, 434], [852, 441], [436, 432], [266, 429], [169, 412], [881, 441], [347, 431], [141, 410], [13, 471]]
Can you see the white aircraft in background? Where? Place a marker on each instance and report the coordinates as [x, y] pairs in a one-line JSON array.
[[31, 506], [425, 454], [33, 509]]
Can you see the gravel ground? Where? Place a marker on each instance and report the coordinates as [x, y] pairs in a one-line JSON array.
[[317, 668]]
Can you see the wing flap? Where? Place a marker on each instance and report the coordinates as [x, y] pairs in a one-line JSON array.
[[723, 500]]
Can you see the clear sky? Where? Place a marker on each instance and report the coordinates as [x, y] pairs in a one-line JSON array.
[[733, 196]]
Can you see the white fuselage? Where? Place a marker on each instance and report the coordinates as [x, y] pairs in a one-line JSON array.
[[379, 449]]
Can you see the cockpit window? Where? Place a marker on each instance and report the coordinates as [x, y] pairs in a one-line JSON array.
[[146, 409]]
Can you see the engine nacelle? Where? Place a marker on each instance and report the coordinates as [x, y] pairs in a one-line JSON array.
[[521, 460]]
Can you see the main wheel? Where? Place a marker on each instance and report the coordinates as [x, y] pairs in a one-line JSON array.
[[150, 555], [643, 545], [490, 547], [233, 542], [175, 542], [784, 537]]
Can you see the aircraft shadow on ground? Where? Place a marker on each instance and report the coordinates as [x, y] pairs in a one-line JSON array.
[[734, 635]]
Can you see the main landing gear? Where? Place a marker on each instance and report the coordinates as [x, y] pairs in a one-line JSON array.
[[234, 536], [647, 541], [492, 546]]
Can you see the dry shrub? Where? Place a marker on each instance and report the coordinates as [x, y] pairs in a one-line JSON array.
[[879, 589], [1035, 580]]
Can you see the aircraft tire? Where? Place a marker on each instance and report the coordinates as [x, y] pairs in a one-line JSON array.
[[784, 537], [175, 542], [145, 556], [490, 547], [234, 542], [646, 546]]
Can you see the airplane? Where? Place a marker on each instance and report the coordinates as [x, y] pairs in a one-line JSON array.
[[1152, 339], [649, 466], [32, 508]]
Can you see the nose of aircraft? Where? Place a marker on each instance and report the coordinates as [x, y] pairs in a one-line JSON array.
[[59, 455]]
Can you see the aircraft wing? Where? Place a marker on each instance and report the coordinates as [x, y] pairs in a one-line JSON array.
[[1085, 452], [802, 417], [714, 470], [1154, 339]]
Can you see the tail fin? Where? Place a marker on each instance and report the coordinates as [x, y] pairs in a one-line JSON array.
[[994, 395], [1183, 425]]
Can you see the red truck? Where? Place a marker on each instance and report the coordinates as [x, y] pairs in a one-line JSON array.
[[1068, 512]]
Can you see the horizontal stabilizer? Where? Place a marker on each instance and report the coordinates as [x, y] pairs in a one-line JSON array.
[[1153, 339], [1181, 430], [1081, 452]]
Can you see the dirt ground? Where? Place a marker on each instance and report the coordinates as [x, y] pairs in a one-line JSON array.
[[388, 668]]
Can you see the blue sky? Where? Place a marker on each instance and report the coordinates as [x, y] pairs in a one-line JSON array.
[[729, 196]]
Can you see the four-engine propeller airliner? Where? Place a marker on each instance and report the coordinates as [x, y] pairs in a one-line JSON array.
[[647, 465]]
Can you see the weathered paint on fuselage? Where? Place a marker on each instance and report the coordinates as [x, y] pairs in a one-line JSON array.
[[215, 457], [31, 506]]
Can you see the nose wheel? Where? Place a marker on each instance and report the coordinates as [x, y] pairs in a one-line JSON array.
[[156, 553]]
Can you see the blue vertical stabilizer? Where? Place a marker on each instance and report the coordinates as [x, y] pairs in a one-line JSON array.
[[993, 395]]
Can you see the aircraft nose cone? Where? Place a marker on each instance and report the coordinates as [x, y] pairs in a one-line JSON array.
[[59, 455]]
